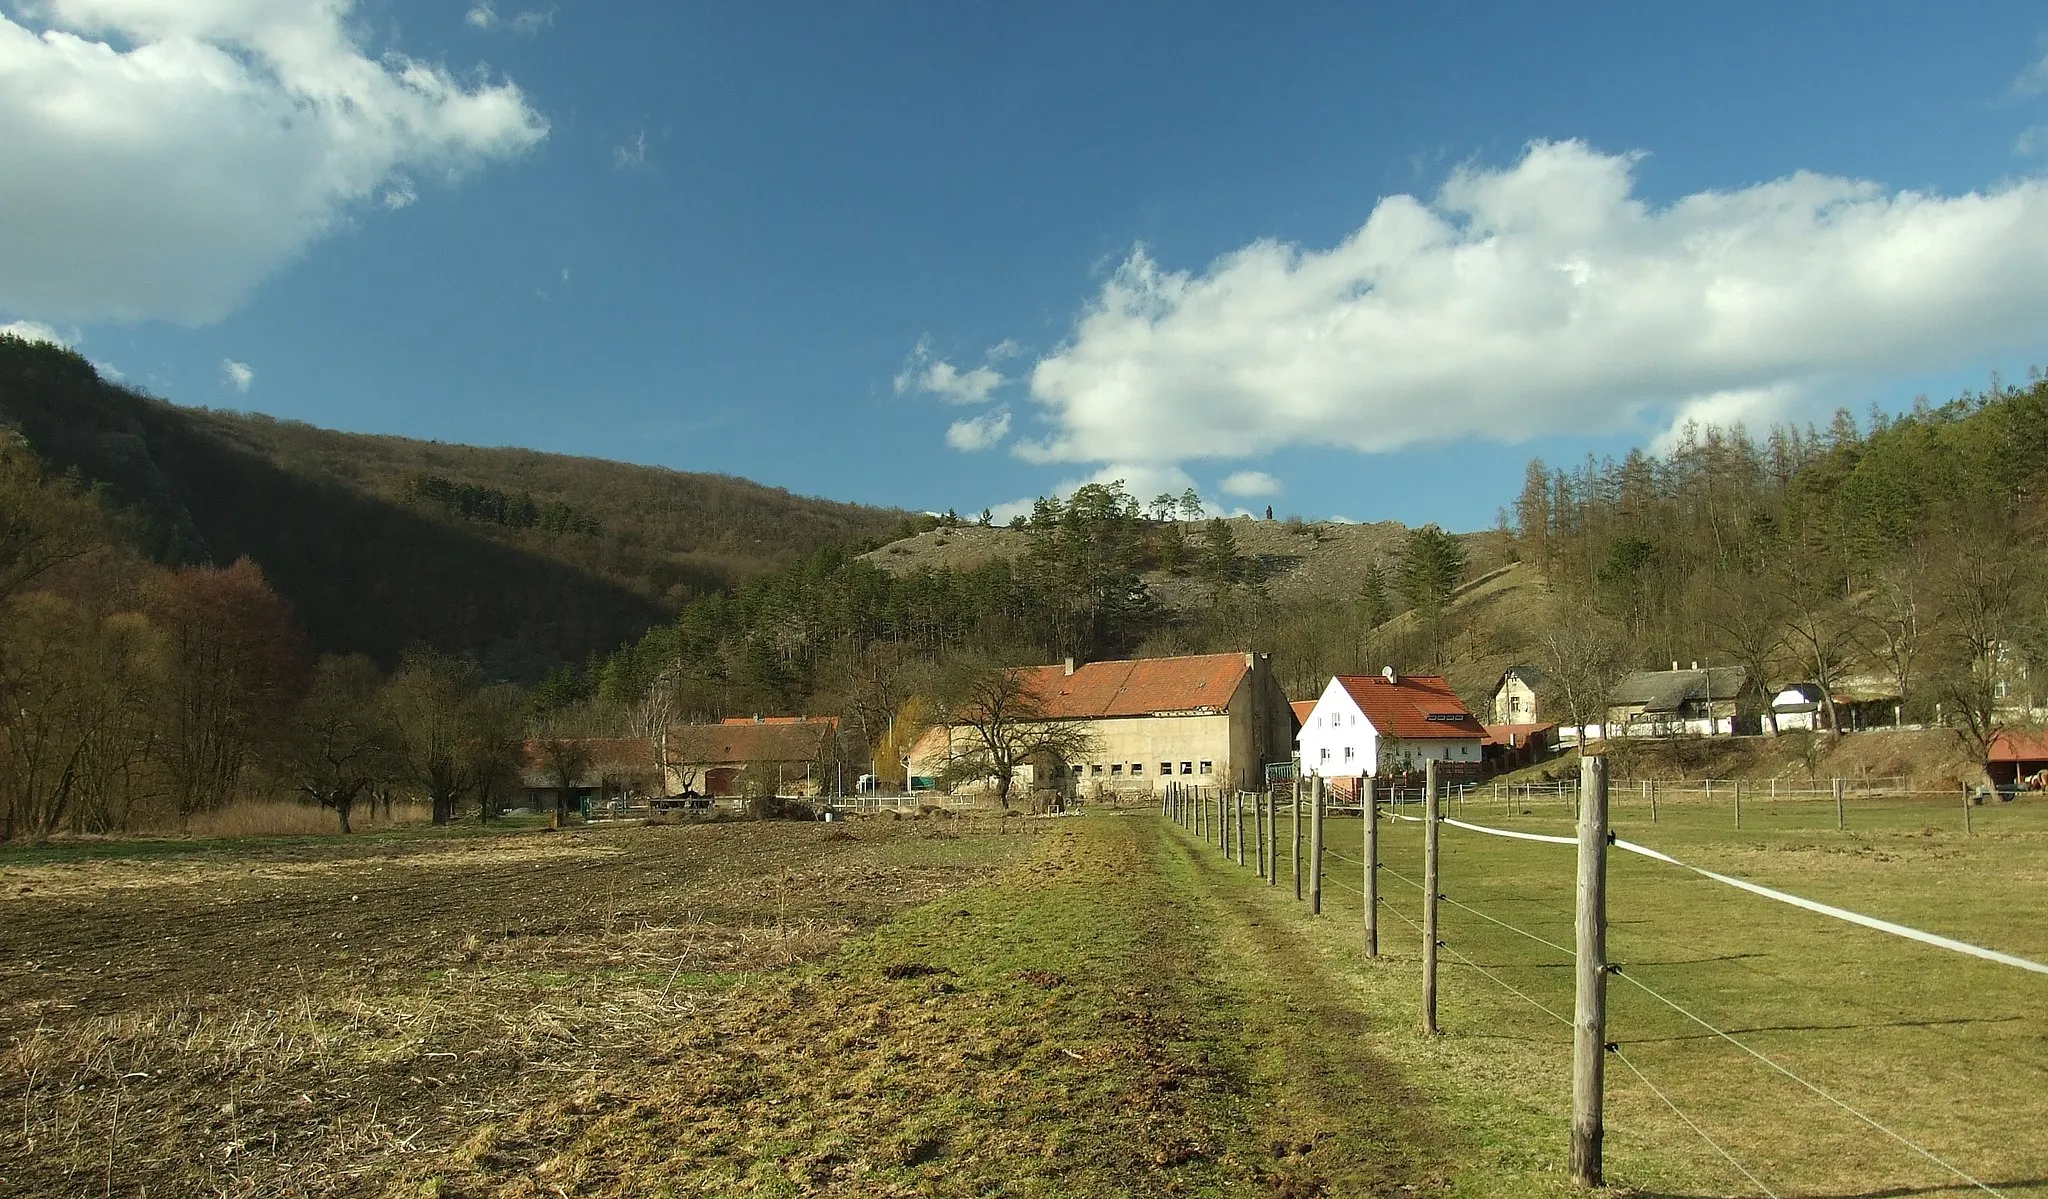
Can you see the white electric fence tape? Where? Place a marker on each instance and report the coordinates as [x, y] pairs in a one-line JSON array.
[[1883, 926]]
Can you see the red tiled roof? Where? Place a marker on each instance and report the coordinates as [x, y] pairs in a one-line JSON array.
[[1515, 734], [2027, 746], [1137, 688], [1402, 708], [740, 744], [1302, 707]]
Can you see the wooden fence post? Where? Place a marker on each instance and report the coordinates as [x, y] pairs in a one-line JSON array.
[[1653, 801], [1841, 816], [1297, 838], [1968, 831], [1239, 816], [1738, 803], [1320, 798], [1370, 802], [1589, 1007], [1430, 885], [1272, 838]]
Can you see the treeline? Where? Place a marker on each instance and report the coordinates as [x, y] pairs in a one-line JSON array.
[[137, 696], [365, 569], [473, 501], [1900, 554]]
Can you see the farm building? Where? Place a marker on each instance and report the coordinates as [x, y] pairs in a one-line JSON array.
[[606, 768], [1513, 746], [1213, 720], [1799, 706], [1387, 723], [1669, 703], [713, 759], [2017, 757]]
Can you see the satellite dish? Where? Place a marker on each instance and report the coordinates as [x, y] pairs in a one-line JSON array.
[[1387, 672]]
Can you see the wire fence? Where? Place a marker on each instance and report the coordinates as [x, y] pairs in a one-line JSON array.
[[1292, 823]]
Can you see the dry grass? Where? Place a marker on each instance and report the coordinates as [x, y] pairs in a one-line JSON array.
[[282, 818]]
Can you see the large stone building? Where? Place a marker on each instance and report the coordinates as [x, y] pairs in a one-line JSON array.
[[1214, 720]]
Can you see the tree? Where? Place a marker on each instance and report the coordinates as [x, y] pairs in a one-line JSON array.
[[995, 723], [43, 523], [428, 699], [1376, 608], [1164, 505], [565, 762], [1190, 505], [1984, 588], [342, 741], [494, 754], [235, 666], [1584, 655], [1222, 564], [1432, 566], [1749, 621], [1893, 624]]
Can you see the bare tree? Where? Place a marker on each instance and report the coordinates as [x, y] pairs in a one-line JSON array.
[[342, 740], [996, 723], [1749, 622], [1893, 626], [656, 714], [565, 761], [1584, 654], [1983, 585]]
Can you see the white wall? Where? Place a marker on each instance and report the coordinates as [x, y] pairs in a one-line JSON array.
[[1337, 740]]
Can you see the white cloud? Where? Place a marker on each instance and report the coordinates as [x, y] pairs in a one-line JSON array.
[[400, 194], [530, 23], [238, 374], [481, 16], [923, 372], [1541, 298], [1250, 483], [2031, 141], [2034, 80], [632, 154], [979, 432], [163, 157], [34, 331], [1006, 348]]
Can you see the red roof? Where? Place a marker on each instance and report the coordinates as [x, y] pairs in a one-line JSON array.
[[1137, 688], [1516, 734], [2027, 746], [1412, 707], [1302, 707]]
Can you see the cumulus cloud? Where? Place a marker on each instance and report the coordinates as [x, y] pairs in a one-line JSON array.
[[34, 331], [238, 374], [481, 16], [979, 432], [2034, 80], [1544, 297], [935, 376], [1250, 483], [530, 23], [163, 157]]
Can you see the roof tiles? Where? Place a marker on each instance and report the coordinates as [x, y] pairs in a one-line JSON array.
[[1137, 688], [1412, 707]]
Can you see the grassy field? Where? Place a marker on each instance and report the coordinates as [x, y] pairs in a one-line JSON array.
[[1069, 1007], [1947, 1051]]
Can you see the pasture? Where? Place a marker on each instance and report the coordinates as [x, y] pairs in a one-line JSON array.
[[1947, 1052]]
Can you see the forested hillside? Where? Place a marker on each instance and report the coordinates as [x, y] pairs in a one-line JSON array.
[[522, 559], [1902, 557]]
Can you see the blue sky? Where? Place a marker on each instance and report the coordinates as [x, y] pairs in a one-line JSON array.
[[1360, 262]]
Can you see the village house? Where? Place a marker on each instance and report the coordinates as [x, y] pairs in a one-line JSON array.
[[793, 755], [1799, 707], [1515, 696], [1669, 703], [1381, 724], [1513, 746], [612, 768], [1213, 720]]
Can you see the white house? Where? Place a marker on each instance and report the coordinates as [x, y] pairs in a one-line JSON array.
[[1798, 706], [1386, 723]]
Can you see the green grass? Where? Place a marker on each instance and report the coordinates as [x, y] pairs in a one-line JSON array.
[[1946, 1050]]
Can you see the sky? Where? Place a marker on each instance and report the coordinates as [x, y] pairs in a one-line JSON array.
[[1349, 261]]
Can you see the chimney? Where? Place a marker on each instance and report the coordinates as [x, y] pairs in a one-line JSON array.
[[757, 718], [1251, 660], [1674, 666], [1070, 666], [1695, 664]]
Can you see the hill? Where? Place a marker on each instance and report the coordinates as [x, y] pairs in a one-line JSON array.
[[522, 558]]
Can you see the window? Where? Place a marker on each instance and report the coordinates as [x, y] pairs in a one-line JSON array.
[[1187, 767], [1095, 769], [1116, 769], [1514, 707], [1137, 768], [1205, 768], [1350, 752], [1326, 755], [1167, 768]]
